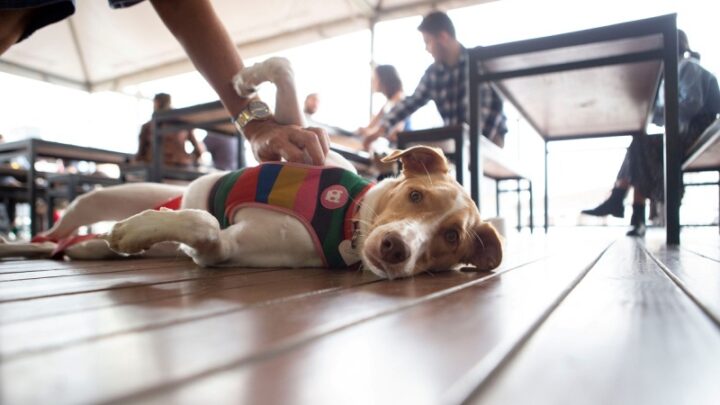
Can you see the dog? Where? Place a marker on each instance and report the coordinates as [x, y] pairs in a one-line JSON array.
[[420, 221]]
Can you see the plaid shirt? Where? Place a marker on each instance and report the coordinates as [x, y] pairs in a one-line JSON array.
[[446, 86]]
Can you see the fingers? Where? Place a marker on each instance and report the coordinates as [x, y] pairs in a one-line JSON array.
[[292, 144], [308, 141], [323, 139]]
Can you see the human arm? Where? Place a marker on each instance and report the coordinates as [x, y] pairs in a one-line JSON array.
[[403, 109], [198, 147], [143, 143], [200, 32]]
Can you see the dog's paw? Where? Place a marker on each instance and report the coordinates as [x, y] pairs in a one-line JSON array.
[[133, 235]]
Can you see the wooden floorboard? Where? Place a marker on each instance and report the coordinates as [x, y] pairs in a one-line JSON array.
[[131, 357], [562, 318], [626, 335], [416, 355]]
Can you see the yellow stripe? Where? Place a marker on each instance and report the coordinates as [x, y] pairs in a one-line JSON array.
[[286, 186]]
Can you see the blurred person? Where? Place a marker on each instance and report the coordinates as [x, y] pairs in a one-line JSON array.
[[173, 143], [642, 169], [311, 105], [387, 82], [445, 82], [223, 149], [198, 29]]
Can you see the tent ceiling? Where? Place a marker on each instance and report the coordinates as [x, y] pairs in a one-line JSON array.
[[100, 48]]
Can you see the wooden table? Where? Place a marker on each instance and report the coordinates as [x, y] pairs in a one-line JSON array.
[[33, 149], [591, 83]]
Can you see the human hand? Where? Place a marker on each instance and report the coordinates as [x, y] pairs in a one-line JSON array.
[[271, 141]]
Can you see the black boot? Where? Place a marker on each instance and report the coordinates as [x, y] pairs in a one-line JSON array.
[[637, 221], [612, 206]]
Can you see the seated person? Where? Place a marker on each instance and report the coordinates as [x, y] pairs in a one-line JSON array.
[[642, 169], [386, 81], [445, 83], [173, 143], [223, 149]]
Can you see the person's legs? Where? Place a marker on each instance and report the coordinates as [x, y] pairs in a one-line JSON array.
[[637, 221], [614, 204]]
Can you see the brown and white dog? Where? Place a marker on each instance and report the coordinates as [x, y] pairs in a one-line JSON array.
[[422, 220]]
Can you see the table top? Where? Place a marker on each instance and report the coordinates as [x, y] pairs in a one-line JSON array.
[[210, 116], [596, 82], [63, 151]]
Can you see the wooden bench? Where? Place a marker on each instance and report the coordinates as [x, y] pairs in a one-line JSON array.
[[497, 164], [704, 155]]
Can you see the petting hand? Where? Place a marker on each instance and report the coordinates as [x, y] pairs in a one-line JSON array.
[[271, 141]]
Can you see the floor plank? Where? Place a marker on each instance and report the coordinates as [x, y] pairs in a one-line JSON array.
[[163, 355], [115, 266], [414, 355], [210, 298], [697, 275], [626, 335]]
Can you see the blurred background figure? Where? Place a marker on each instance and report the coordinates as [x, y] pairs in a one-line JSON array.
[[642, 169], [387, 82], [223, 149], [173, 143], [310, 106]]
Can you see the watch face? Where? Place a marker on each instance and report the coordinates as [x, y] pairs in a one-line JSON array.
[[259, 109]]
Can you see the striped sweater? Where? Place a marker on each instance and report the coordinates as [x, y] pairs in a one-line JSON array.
[[324, 199]]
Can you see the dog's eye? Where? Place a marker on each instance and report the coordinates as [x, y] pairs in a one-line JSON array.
[[451, 236], [416, 196]]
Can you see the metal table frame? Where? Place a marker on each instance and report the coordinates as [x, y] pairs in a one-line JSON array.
[[664, 25], [211, 117], [34, 148]]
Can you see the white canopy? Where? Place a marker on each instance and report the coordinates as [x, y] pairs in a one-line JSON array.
[[99, 48]]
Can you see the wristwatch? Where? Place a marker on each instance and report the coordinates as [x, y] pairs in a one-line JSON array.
[[256, 110]]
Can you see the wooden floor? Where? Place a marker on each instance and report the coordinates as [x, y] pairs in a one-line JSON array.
[[581, 316]]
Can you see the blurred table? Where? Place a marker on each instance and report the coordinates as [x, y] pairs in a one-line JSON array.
[[34, 149], [211, 117]]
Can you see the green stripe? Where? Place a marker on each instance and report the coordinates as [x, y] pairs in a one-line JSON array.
[[226, 184], [354, 185]]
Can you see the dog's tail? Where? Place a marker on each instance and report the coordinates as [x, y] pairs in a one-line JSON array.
[[113, 204]]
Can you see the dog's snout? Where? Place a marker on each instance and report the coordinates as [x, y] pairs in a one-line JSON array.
[[393, 250]]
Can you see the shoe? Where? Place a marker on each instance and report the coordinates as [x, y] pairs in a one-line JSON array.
[[637, 221], [637, 231], [612, 206]]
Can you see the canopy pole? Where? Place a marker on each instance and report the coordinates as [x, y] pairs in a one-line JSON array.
[[81, 57]]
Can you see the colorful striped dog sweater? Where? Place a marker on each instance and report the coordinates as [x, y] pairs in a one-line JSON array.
[[324, 199]]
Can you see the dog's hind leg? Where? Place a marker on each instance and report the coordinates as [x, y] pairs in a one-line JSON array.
[[111, 204], [191, 227]]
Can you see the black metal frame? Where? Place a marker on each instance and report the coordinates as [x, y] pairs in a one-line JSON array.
[[458, 134], [663, 25], [33, 148], [172, 121]]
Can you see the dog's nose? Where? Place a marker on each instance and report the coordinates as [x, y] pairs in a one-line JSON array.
[[393, 250]]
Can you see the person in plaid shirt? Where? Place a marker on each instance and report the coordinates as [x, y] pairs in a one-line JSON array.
[[445, 83]]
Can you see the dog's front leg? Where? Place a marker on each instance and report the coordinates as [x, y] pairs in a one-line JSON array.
[[195, 228]]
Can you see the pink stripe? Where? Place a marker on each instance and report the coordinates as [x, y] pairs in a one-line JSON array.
[[306, 199]]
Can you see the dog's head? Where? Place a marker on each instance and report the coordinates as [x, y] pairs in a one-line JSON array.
[[424, 220]]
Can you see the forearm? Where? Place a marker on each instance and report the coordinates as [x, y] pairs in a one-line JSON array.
[[207, 43]]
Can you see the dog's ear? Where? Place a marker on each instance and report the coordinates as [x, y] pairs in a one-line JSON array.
[[486, 249], [420, 160]]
